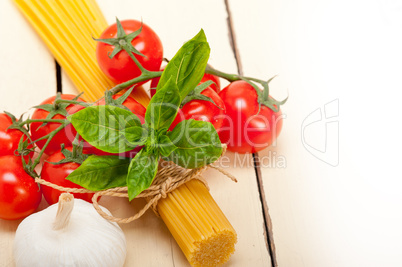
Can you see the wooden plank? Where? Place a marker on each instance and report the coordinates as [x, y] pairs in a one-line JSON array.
[[333, 197], [27, 73], [27, 77], [176, 22], [149, 241]]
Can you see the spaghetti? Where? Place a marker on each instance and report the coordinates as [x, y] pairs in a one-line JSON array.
[[189, 211], [198, 225], [67, 28]]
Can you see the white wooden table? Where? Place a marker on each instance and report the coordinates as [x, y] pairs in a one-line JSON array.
[[328, 193]]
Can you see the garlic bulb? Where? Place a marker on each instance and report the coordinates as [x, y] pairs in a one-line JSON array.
[[70, 233]]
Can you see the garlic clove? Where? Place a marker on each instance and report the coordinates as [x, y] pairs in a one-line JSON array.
[[86, 240]]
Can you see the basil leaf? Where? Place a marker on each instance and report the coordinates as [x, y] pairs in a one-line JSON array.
[[187, 67], [136, 135], [141, 172], [197, 144], [166, 146], [101, 172], [104, 127], [162, 108]]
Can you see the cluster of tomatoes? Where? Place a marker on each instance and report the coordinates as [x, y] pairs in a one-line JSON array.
[[245, 125], [241, 121], [19, 194]]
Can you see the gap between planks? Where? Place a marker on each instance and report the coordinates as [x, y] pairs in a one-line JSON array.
[[268, 229], [267, 219], [269, 235], [59, 87]]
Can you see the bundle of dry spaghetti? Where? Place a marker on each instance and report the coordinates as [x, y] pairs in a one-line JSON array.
[[67, 28], [196, 222], [198, 225], [181, 198]]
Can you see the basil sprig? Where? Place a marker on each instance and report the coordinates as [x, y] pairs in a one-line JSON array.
[[191, 144], [187, 67]]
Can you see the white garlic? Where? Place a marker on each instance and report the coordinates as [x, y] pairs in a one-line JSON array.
[[76, 236]]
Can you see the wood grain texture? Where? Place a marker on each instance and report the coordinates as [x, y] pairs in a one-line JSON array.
[[149, 241], [27, 73], [175, 23], [330, 180]]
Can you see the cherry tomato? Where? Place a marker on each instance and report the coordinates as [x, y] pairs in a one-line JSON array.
[[57, 174], [121, 67], [203, 110], [9, 138], [216, 87], [38, 129], [19, 194], [137, 109], [246, 129]]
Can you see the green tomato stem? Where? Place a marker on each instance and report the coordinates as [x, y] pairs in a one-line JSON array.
[[142, 78], [263, 95], [84, 104], [230, 77], [49, 138], [142, 69], [227, 76], [29, 121]]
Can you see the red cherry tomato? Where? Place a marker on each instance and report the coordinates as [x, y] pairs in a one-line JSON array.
[[246, 129], [9, 138], [57, 174], [216, 87], [19, 194], [65, 136], [137, 109], [203, 110], [121, 67]]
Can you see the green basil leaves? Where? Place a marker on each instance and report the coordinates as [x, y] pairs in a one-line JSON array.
[[187, 67], [101, 172], [105, 128], [197, 144], [191, 144], [163, 107], [141, 172]]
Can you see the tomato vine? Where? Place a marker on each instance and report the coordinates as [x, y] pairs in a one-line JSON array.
[[178, 84]]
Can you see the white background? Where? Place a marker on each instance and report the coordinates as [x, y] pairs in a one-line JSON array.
[[323, 51]]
